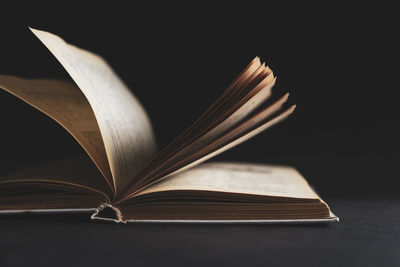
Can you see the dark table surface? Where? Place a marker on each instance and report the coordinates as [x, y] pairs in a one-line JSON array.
[[368, 234]]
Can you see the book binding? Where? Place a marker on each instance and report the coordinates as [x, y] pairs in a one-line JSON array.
[[108, 213]]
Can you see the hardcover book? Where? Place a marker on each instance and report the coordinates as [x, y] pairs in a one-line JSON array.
[[134, 182]]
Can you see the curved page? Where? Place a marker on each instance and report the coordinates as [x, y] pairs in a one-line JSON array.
[[65, 103], [124, 125], [209, 152], [78, 173], [221, 128], [237, 141]]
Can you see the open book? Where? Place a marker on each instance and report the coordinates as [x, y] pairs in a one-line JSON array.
[[135, 182]]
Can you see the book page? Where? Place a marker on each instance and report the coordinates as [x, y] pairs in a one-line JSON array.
[[77, 172], [238, 102], [235, 142], [210, 151], [197, 127], [124, 125], [243, 178], [65, 103], [222, 129]]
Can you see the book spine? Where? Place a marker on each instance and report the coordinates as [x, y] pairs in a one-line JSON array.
[[107, 212]]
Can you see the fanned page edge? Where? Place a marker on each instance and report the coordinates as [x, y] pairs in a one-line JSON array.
[[258, 83], [269, 123]]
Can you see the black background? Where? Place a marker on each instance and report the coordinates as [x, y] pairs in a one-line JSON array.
[[339, 61]]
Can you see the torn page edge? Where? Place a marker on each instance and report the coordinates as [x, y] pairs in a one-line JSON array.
[[103, 206]]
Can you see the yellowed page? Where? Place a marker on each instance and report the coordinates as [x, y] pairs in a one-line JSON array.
[[133, 191], [65, 103], [232, 120], [124, 125], [243, 178], [78, 172], [238, 141]]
